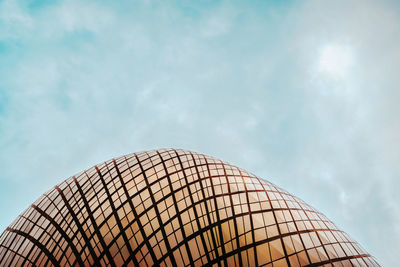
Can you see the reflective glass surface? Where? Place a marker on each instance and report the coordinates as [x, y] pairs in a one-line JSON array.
[[174, 208]]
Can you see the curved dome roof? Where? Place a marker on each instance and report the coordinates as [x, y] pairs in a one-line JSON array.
[[174, 208]]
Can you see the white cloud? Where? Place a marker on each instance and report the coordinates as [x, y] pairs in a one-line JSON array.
[[335, 60]]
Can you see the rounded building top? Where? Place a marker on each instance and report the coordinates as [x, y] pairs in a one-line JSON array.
[[174, 208]]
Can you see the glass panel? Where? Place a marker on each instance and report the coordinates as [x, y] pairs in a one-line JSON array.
[[174, 207]]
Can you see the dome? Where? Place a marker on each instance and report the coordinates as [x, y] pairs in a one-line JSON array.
[[174, 208]]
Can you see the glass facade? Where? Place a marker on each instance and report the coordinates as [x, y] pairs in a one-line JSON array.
[[174, 208]]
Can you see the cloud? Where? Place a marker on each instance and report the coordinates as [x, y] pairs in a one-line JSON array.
[[350, 141], [83, 82]]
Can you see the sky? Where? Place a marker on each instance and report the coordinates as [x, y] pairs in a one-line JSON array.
[[304, 94]]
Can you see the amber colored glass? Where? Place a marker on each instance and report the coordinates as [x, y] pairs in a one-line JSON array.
[[174, 208]]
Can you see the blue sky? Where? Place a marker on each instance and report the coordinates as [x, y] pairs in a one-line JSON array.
[[302, 93]]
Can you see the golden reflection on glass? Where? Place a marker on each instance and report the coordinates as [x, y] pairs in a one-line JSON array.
[[174, 208]]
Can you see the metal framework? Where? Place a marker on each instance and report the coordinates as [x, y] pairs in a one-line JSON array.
[[174, 208]]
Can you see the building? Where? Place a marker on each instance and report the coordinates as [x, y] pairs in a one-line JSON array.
[[174, 208]]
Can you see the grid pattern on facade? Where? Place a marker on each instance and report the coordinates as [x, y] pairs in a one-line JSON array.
[[174, 208]]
